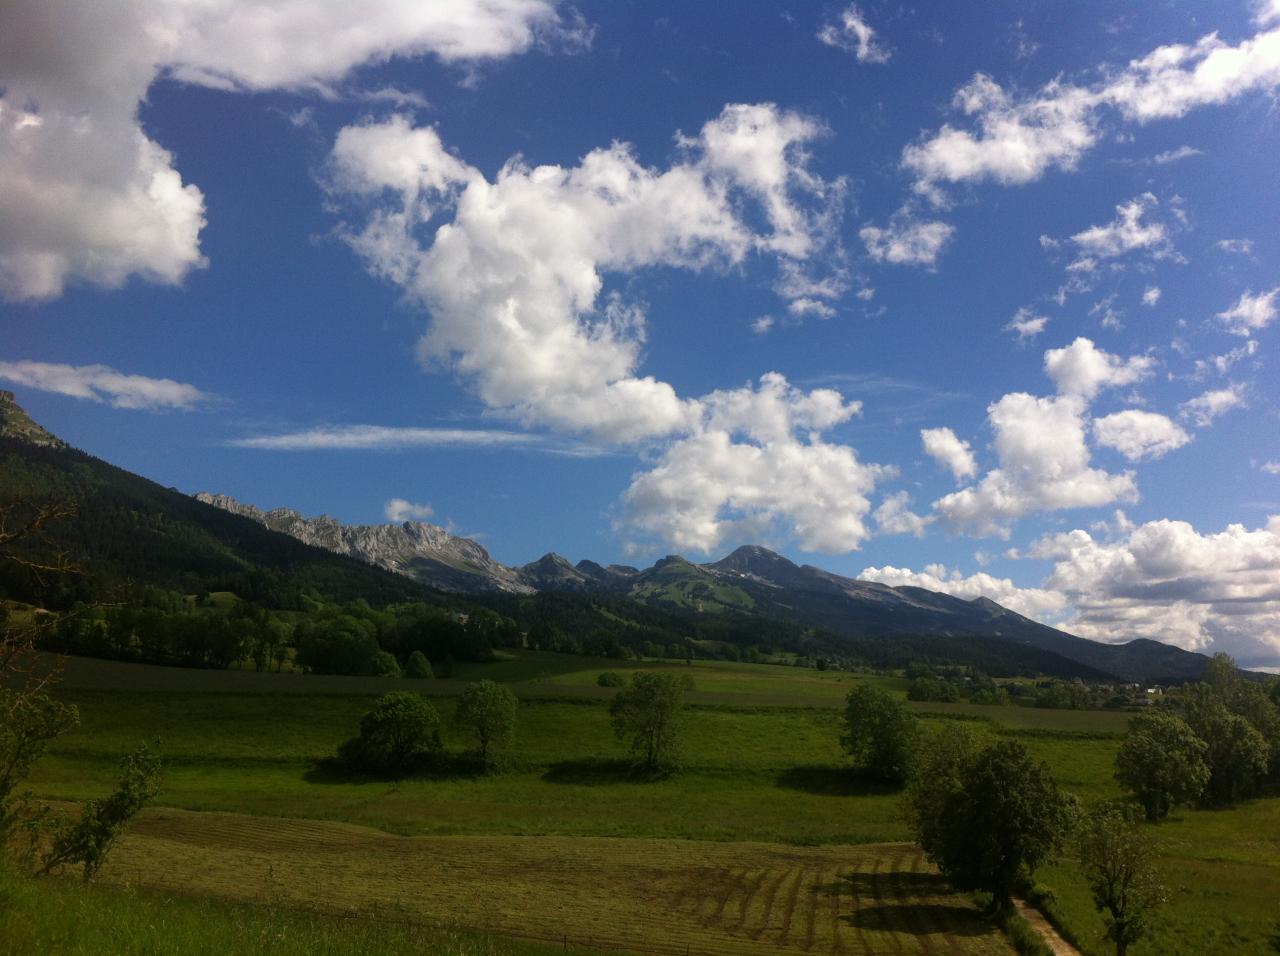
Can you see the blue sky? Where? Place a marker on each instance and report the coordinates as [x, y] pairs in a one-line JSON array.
[[982, 299]]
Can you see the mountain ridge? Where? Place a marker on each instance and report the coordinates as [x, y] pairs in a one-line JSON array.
[[137, 530]]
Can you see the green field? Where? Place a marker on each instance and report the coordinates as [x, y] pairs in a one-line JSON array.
[[764, 808]]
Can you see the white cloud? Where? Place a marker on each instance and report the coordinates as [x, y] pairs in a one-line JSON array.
[[369, 437], [1251, 312], [1175, 155], [1203, 409], [1271, 467], [1026, 324], [1015, 140], [1036, 603], [1166, 581], [1044, 466], [762, 325], [1151, 296], [1221, 364], [86, 195], [942, 445], [101, 383], [806, 306], [515, 287], [756, 465], [1139, 435], [1083, 369], [907, 241], [894, 516], [1126, 233], [400, 510], [853, 34], [514, 284], [1243, 247]]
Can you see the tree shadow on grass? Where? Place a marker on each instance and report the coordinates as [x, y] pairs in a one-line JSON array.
[[920, 919], [601, 772], [835, 782], [334, 770], [883, 903]]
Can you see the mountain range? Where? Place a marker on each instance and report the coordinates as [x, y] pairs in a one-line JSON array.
[[130, 531], [751, 581]]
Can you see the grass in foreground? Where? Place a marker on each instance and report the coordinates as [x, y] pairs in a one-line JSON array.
[[68, 918], [649, 896]]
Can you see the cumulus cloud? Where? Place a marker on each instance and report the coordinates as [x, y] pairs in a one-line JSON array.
[[1151, 296], [514, 279], [86, 195], [954, 454], [372, 437], [1037, 603], [1044, 466], [1139, 435], [754, 466], [101, 383], [907, 240], [1165, 581], [1251, 312], [400, 510], [852, 33], [1203, 409], [1026, 324], [1126, 233], [1015, 139], [515, 283], [1083, 369], [1271, 467], [894, 516]]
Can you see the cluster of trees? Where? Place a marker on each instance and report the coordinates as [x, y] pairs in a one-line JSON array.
[[402, 733], [162, 627], [989, 815], [1214, 742]]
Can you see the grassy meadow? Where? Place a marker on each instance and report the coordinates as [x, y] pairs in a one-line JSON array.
[[764, 840]]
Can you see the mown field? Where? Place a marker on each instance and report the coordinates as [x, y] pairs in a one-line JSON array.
[[762, 821]]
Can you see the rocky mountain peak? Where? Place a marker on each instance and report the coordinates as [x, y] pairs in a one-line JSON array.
[[16, 423], [753, 559], [424, 552]]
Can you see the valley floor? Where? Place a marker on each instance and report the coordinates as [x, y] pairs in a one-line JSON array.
[[764, 842]]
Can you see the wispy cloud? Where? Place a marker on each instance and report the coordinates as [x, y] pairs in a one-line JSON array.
[[101, 383], [389, 438]]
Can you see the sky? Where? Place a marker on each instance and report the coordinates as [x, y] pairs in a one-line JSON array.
[[982, 298]]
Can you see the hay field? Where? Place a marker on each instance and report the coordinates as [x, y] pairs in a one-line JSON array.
[[642, 896]]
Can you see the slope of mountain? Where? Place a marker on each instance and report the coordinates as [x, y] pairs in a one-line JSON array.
[[128, 530], [425, 552], [17, 424]]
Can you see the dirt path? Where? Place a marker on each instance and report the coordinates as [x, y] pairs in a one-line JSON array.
[[1042, 926]]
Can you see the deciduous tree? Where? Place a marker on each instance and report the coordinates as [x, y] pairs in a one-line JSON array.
[[1116, 856], [647, 715], [987, 818], [1162, 763], [489, 710], [400, 728], [879, 732]]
